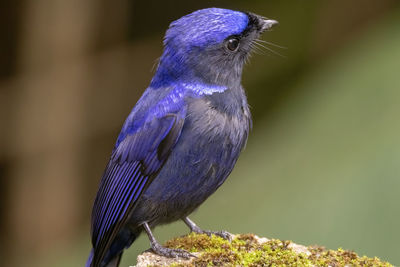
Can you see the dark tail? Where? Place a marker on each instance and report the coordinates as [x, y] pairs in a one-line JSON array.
[[117, 249], [113, 263], [89, 260]]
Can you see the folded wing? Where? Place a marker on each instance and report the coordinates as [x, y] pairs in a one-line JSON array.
[[134, 164]]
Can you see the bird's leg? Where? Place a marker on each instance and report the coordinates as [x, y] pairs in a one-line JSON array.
[[194, 228], [163, 251]]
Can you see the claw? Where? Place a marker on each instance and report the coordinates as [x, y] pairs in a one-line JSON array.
[[194, 228], [223, 234], [171, 253], [163, 251]]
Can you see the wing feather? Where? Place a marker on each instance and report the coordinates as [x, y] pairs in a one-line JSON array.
[[133, 165]]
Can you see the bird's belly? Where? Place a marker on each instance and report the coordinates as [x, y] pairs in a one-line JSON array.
[[194, 170]]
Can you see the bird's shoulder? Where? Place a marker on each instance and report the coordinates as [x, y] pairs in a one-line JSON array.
[[203, 101], [154, 104]]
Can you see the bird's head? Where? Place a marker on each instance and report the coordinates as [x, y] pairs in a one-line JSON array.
[[210, 46]]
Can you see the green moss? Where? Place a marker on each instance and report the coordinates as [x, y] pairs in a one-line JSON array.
[[341, 257], [244, 250]]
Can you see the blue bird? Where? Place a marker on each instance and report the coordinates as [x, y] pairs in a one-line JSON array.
[[182, 138]]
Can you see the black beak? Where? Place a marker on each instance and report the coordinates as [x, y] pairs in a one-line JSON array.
[[261, 23], [267, 24]]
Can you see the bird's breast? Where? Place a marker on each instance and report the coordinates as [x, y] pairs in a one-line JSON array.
[[207, 150], [210, 123]]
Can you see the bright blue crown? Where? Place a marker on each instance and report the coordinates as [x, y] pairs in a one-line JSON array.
[[206, 27]]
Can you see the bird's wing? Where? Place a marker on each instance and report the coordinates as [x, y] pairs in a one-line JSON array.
[[133, 165]]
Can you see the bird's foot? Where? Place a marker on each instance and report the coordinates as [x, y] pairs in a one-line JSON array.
[[224, 234], [163, 251], [195, 229], [170, 253]]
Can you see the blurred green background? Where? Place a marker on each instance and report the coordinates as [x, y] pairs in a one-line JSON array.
[[321, 166]]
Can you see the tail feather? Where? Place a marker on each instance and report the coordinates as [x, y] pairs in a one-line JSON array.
[[114, 254], [115, 261], [89, 260]]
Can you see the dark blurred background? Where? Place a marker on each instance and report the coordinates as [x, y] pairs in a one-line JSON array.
[[322, 163]]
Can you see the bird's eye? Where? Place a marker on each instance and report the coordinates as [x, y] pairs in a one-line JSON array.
[[232, 44]]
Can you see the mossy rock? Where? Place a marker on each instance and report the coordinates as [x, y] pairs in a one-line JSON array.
[[250, 250]]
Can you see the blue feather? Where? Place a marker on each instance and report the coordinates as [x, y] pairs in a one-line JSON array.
[[133, 164], [184, 135]]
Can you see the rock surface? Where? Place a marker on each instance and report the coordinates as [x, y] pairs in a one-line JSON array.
[[251, 250]]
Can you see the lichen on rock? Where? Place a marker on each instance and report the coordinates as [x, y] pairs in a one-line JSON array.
[[251, 250]]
